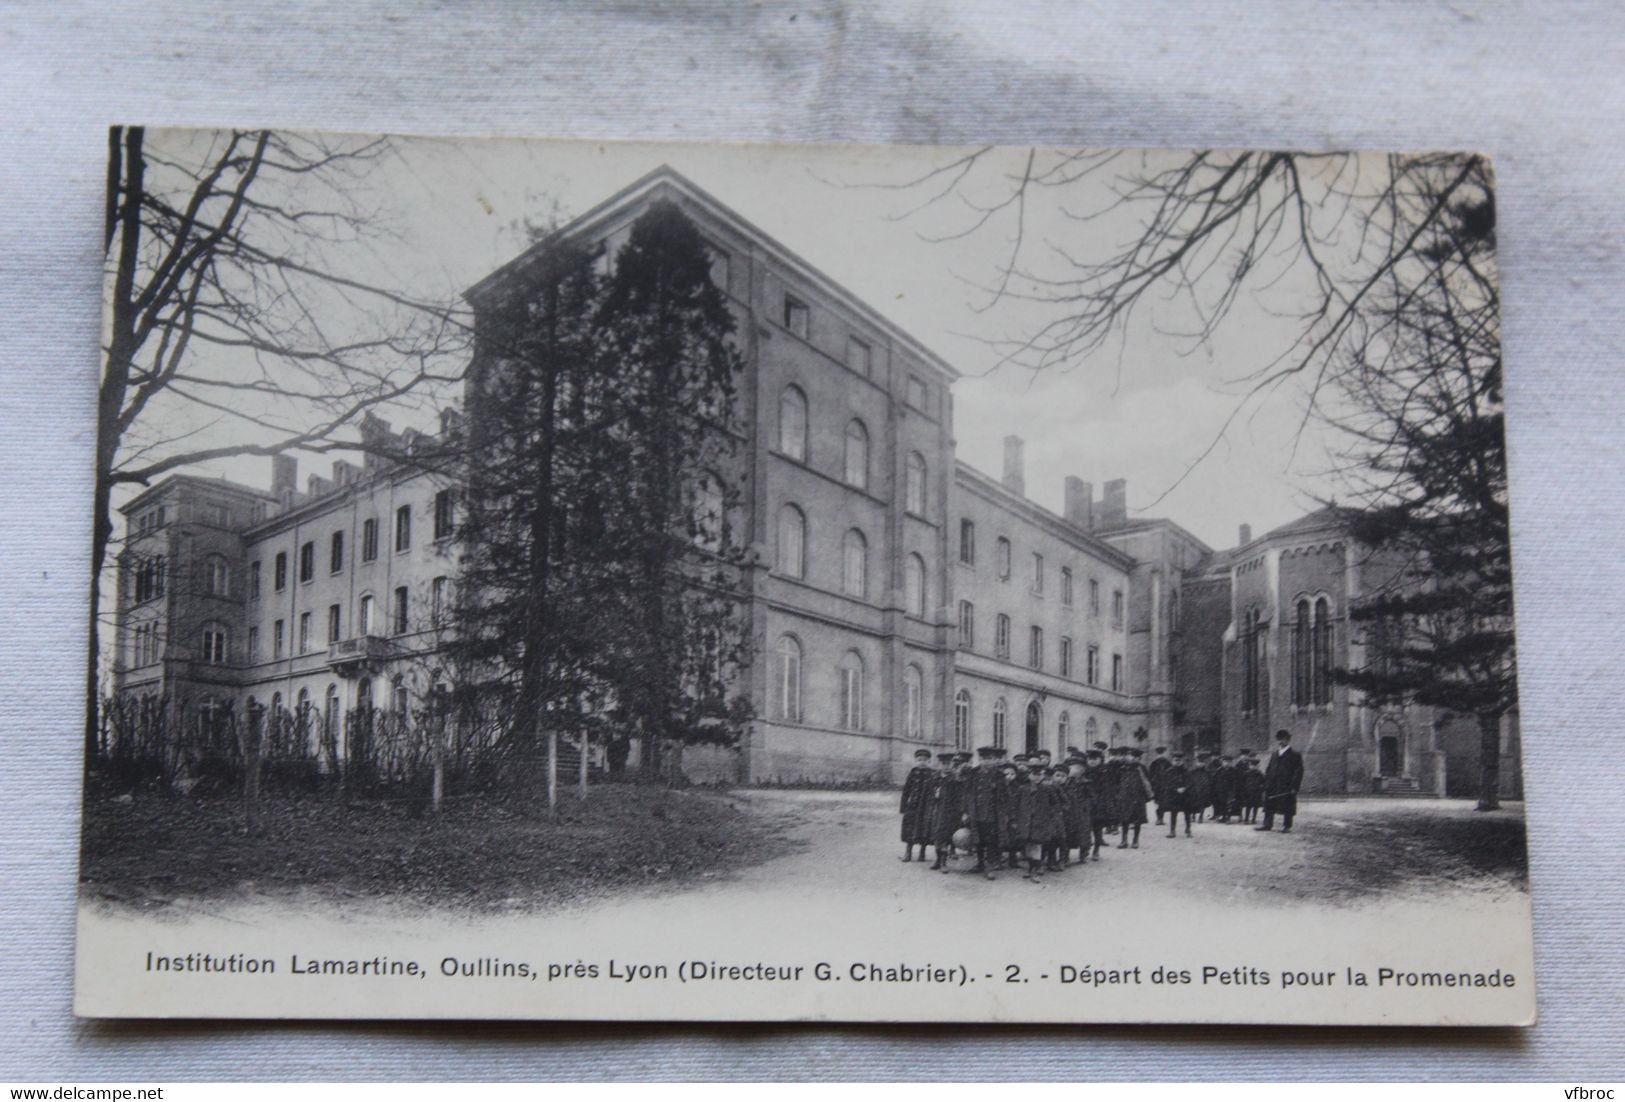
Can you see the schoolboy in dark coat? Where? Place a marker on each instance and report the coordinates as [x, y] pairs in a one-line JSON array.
[[1178, 782], [1224, 789], [1018, 813], [1133, 790], [1076, 790], [916, 827], [947, 807], [1251, 786], [984, 803], [1201, 784], [1158, 765], [1094, 778]]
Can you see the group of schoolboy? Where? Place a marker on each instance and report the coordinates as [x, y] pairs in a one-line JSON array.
[[1026, 813]]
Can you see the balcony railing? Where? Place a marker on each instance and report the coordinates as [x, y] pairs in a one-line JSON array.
[[361, 653]]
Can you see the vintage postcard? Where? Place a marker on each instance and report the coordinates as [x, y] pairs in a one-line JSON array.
[[635, 581]]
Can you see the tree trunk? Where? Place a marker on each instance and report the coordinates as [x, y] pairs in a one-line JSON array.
[[437, 760], [552, 771], [586, 744], [1489, 761]]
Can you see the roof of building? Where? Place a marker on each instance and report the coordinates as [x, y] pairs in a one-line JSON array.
[[1328, 516], [201, 481], [1057, 525], [668, 177]]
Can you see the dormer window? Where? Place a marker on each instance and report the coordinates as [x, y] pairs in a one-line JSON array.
[[796, 316]]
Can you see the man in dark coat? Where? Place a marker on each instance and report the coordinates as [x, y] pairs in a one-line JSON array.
[[1283, 776], [916, 786], [1047, 831], [1158, 766], [1018, 810], [1133, 790], [947, 806], [1177, 782], [984, 803]]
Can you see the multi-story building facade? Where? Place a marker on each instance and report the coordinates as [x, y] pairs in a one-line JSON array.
[[897, 597]]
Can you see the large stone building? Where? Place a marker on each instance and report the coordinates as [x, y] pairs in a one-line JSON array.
[[900, 598]]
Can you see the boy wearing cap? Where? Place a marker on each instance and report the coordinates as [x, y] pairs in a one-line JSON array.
[[984, 804], [1133, 790], [947, 807], [1095, 780], [916, 788], [1178, 783], [1158, 765]]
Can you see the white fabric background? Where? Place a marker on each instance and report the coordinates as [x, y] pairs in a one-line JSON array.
[[1538, 86]]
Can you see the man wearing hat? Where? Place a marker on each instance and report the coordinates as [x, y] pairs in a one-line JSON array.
[[1283, 776], [1200, 792], [1249, 787], [1074, 808], [947, 802], [1155, 769], [916, 786], [984, 805]]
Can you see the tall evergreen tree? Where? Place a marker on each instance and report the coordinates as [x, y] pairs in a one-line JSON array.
[[1424, 409]]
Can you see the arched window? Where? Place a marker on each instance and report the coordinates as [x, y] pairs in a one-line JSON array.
[[217, 576], [1252, 655], [1091, 733], [962, 720], [330, 719], [709, 519], [1323, 652], [914, 699], [1117, 733], [793, 423], [1001, 721], [400, 700], [276, 712], [914, 579], [789, 678], [1301, 658], [1001, 636], [364, 625], [855, 564], [1173, 610], [792, 542], [214, 644], [1063, 732], [857, 455], [1002, 550], [914, 498], [852, 691], [1034, 732]]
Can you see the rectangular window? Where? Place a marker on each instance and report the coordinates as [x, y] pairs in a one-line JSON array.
[[400, 609], [444, 503], [277, 640], [1035, 647], [1066, 657], [1117, 673], [363, 624], [254, 580], [335, 553], [919, 395], [369, 539], [307, 560], [967, 542], [796, 316], [967, 625], [1038, 573], [859, 356], [1094, 597], [1117, 608], [1066, 586], [332, 624], [437, 597], [280, 581], [304, 633], [1004, 559], [253, 644], [1001, 636], [721, 267], [1091, 669], [403, 528]]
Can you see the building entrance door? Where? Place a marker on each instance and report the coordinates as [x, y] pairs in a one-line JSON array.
[[1388, 763], [1035, 722]]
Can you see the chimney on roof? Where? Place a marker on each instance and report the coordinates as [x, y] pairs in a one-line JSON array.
[[344, 472], [1244, 535], [1114, 503], [284, 473], [1080, 503], [1015, 467]]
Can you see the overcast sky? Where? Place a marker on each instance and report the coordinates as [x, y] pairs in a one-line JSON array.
[[1142, 409]]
